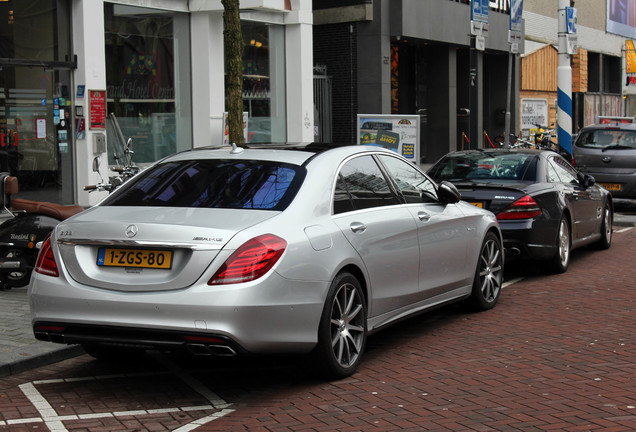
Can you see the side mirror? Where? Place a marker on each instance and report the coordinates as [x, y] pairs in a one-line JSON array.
[[447, 193], [586, 180]]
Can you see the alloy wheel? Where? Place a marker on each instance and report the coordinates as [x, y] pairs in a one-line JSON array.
[[347, 325], [491, 270]]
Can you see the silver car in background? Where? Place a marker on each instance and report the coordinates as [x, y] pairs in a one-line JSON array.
[[608, 153], [258, 251]]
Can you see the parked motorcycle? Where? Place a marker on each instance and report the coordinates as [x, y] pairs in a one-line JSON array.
[[27, 223]]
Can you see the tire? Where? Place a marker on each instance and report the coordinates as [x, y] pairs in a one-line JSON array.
[[561, 259], [488, 275], [342, 331], [606, 229]]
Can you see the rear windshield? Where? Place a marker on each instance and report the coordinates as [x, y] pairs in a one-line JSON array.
[[604, 138], [485, 167], [213, 183]]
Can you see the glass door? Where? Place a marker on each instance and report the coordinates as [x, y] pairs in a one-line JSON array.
[[35, 132]]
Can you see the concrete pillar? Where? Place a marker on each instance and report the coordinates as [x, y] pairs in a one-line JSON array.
[[208, 80], [299, 73], [89, 45]]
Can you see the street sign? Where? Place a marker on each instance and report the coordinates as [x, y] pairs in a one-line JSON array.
[[570, 20]]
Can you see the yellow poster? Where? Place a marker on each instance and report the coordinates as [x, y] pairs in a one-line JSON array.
[[630, 56]]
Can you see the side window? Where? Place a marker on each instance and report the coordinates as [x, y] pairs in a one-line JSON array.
[[342, 201], [565, 173], [361, 180], [414, 185], [552, 174]]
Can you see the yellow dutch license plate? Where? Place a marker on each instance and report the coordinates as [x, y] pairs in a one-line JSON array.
[[612, 187], [143, 258], [478, 204]]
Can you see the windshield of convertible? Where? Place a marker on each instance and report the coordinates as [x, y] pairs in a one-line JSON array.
[[212, 183], [483, 167], [608, 138]]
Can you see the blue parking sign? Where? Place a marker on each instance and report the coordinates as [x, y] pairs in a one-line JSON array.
[[570, 19]]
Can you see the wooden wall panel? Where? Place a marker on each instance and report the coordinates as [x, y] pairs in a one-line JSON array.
[[579, 72]]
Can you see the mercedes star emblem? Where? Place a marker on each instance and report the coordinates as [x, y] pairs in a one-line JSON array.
[[131, 231]]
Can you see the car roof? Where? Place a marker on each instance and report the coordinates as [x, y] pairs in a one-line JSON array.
[[500, 151], [298, 154], [605, 126]]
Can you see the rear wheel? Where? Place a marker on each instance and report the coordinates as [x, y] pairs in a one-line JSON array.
[[342, 331], [561, 259], [488, 275], [606, 229]]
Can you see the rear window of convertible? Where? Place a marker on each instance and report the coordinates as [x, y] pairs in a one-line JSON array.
[[213, 183]]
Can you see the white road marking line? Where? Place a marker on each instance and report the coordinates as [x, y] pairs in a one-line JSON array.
[[512, 281], [54, 421], [43, 406], [624, 229]]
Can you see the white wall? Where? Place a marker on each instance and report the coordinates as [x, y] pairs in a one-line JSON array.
[[89, 45]]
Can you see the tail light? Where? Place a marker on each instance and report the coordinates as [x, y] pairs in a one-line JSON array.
[[523, 208], [46, 261], [251, 261]]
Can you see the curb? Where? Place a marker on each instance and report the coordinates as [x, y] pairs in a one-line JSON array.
[[40, 360]]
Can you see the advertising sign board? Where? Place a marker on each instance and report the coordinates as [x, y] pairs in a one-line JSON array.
[[479, 10], [400, 133], [533, 112], [516, 10]]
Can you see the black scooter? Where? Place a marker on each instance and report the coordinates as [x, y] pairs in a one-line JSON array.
[[26, 224]]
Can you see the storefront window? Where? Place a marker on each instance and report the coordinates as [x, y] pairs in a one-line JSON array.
[[264, 82], [148, 80], [35, 98]]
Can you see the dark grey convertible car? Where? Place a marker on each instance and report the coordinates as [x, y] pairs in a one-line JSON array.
[[545, 207]]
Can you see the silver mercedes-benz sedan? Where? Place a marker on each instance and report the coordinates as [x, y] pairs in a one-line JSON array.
[[258, 251]]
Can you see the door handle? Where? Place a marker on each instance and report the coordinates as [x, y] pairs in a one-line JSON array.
[[423, 216], [357, 227]]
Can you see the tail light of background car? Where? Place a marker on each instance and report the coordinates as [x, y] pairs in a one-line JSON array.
[[46, 261], [524, 208], [250, 261]]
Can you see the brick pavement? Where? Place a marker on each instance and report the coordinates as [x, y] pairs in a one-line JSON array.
[[19, 350], [556, 354]]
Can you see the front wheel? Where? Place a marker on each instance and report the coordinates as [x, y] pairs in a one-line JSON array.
[[561, 259], [342, 331], [488, 275]]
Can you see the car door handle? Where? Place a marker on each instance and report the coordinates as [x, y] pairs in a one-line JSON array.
[[423, 216], [357, 227]]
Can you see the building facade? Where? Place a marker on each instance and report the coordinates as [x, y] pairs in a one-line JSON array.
[[418, 57], [158, 66], [600, 82]]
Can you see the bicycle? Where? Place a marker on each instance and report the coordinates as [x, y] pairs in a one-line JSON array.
[[514, 141]]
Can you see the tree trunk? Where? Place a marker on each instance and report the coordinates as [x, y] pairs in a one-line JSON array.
[[233, 43]]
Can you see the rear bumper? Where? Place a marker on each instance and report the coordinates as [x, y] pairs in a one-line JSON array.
[[529, 239], [279, 316]]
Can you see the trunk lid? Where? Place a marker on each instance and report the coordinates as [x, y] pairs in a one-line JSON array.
[[128, 248]]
